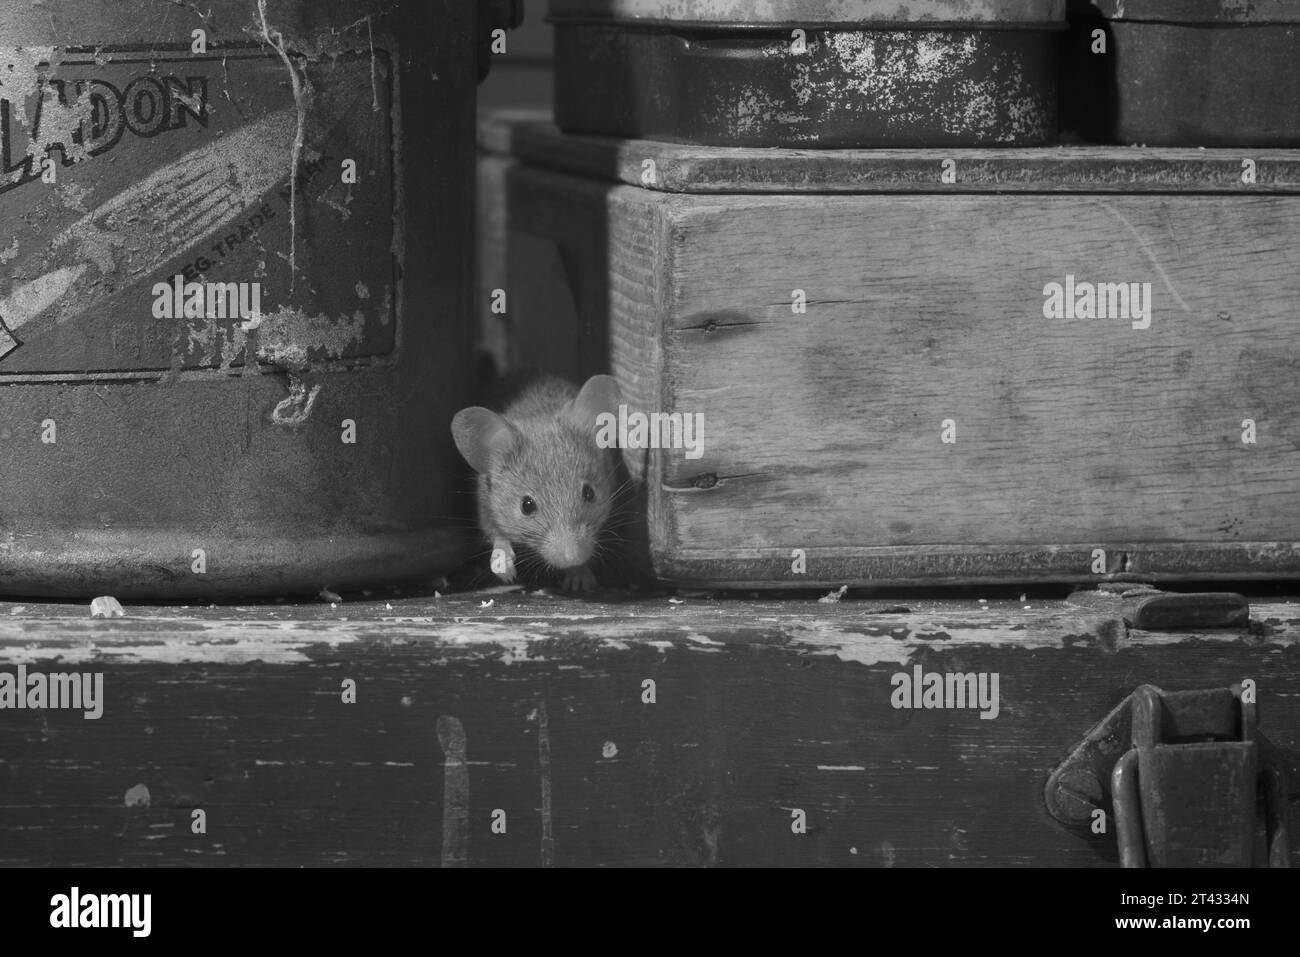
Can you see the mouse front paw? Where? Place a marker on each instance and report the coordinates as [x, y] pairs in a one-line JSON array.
[[503, 560], [580, 578]]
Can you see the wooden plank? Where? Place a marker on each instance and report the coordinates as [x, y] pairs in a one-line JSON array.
[[1064, 169], [760, 707], [823, 430]]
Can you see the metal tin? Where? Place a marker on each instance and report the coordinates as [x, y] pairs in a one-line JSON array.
[[847, 73], [275, 419], [1206, 72], [852, 13]]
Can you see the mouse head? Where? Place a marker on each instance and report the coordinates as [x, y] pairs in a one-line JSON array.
[[546, 482]]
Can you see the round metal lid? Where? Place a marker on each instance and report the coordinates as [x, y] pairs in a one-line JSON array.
[[813, 12]]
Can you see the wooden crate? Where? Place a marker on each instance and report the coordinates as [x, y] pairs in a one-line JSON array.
[[1081, 448]]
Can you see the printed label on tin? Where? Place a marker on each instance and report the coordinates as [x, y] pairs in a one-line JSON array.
[[148, 223]]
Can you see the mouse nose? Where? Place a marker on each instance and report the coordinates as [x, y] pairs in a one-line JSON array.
[[565, 549]]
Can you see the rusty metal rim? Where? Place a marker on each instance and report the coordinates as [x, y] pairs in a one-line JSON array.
[[1224, 13], [148, 564], [805, 13]]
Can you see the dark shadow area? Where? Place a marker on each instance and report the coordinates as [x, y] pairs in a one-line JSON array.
[[1087, 79]]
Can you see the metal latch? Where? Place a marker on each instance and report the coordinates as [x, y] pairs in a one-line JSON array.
[[1184, 776], [1149, 609]]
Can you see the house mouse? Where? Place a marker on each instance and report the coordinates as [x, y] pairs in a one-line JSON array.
[[543, 482]]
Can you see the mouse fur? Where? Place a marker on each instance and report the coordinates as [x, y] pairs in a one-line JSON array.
[[543, 482]]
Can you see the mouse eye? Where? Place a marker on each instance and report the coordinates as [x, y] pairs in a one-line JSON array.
[[528, 506], [588, 493]]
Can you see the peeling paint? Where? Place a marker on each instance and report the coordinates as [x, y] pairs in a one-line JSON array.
[[288, 336], [831, 639], [890, 641], [874, 86], [171, 209], [28, 300], [455, 791], [169, 651], [73, 196], [544, 769], [698, 638], [904, 80], [21, 72], [59, 124]]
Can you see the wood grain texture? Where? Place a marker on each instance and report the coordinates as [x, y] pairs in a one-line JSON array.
[[823, 430], [701, 169], [761, 707]]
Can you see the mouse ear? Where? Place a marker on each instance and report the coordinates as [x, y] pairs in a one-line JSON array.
[[478, 433], [599, 395]]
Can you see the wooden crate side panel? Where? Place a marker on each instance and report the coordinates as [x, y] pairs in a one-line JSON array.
[[823, 430]]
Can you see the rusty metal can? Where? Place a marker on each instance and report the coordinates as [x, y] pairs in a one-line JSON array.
[[820, 74], [235, 279], [1205, 72]]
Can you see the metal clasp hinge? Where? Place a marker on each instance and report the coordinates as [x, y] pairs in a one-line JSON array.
[[1186, 772]]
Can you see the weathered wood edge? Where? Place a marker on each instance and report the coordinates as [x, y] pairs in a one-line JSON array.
[[978, 565], [523, 629], [683, 168]]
